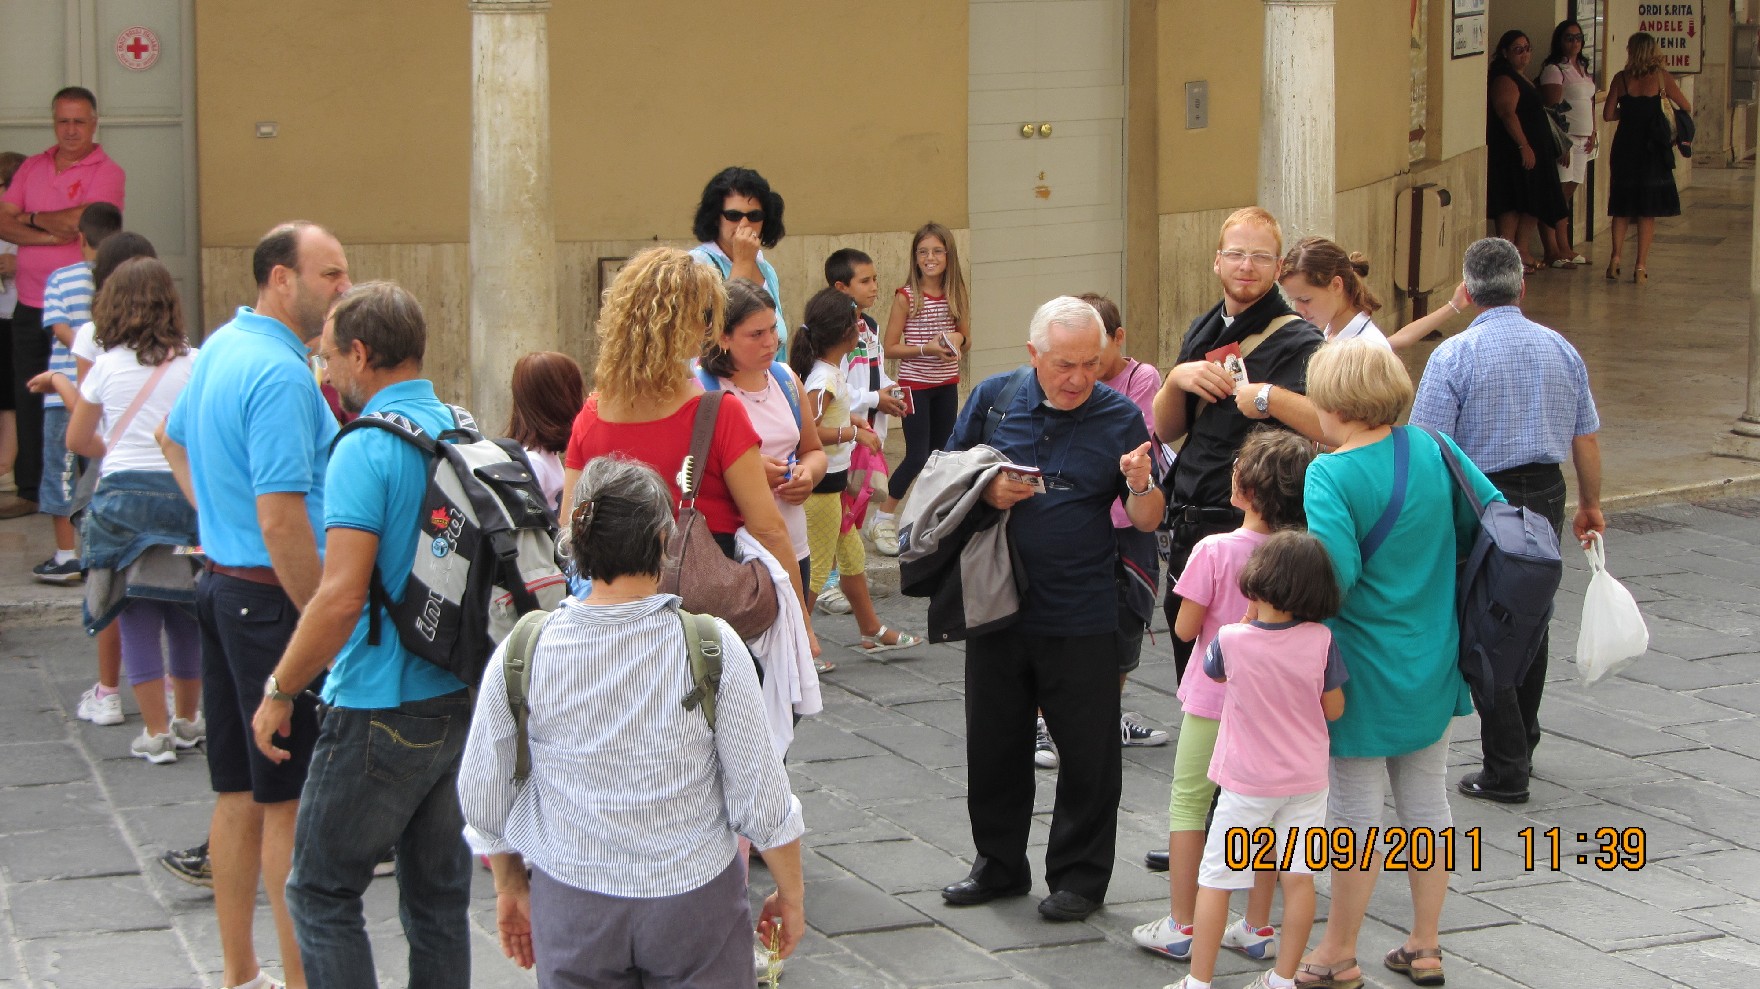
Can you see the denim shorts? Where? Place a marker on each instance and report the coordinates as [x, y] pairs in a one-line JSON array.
[[60, 468]]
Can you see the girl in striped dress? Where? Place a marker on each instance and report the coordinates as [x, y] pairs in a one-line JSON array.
[[928, 330]]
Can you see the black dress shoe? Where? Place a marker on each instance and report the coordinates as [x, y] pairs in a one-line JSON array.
[[1064, 905], [1474, 785], [968, 892], [1155, 860]]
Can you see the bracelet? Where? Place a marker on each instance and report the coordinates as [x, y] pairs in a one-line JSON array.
[[1457, 309], [1134, 492], [32, 223]]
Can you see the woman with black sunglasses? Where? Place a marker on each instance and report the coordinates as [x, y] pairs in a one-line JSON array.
[[1565, 80], [737, 218]]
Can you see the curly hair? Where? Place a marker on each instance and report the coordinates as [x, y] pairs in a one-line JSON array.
[[1272, 471], [1643, 54], [738, 181], [653, 320], [547, 395], [138, 309]]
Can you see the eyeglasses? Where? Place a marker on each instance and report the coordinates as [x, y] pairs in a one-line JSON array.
[[931, 252], [1520, 49], [734, 216], [321, 361], [1573, 37], [1236, 257]]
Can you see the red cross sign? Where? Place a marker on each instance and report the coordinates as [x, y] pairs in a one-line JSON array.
[[137, 48]]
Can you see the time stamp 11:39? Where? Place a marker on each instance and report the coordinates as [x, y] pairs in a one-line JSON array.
[[1419, 849]]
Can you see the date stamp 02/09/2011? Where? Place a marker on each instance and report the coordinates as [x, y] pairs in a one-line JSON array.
[[1420, 849]]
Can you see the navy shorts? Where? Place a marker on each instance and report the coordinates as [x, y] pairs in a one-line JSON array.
[[245, 629]]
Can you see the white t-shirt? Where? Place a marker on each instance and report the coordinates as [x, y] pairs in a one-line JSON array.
[[1364, 327], [823, 377], [547, 470], [1579, 92], [85, 342], [116, 377]]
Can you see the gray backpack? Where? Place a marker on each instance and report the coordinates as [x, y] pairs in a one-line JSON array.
[[701, 635]]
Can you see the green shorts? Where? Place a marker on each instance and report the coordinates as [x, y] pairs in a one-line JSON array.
[[1189, 803]]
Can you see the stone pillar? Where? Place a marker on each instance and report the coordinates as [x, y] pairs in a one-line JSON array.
[[1298, 147], [1742, 439], [513, 238]]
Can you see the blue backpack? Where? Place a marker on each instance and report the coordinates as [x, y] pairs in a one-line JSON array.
[[1503, 588], [778, 370]]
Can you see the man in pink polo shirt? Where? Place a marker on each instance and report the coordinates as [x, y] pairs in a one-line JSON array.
[[40, 213]]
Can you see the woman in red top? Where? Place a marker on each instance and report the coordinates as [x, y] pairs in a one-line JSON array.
[[654, 320]]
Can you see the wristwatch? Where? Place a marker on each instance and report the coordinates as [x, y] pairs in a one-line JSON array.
[[272, 690], [1262, 401]]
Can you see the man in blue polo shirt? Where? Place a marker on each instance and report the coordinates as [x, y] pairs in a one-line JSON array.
[[385, 770], [1091, 448], [248, 439]]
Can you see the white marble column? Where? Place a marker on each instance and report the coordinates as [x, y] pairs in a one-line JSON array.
[[513, 238], [1298, 145], [1742, 439]]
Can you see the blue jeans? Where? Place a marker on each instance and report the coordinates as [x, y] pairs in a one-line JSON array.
[[380, 780]]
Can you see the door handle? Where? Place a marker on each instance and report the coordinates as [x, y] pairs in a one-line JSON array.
[[1044, 130]]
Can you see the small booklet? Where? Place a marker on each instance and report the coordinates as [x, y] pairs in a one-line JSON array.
[[1230, 359], [1033, 477]]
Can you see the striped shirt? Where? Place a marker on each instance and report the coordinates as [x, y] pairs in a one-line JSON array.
[[1509, 391], [630, 794], [922, 329], [67, 299]]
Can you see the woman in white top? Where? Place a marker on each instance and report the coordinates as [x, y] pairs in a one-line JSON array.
[[1565, 79], [138, 531], [629, 818], [1326, 287]]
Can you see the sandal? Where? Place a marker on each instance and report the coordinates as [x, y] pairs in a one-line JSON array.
[[1326, 976], [823, 666], [1400, 960], [877, 642]]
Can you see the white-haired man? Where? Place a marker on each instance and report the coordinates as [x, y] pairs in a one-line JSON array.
[[1515, 397], [1090, 448]]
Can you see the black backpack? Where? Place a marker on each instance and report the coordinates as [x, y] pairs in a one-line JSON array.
[[1503, 589], [486, 551]]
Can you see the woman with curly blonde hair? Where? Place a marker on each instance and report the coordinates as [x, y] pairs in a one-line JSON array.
[[1640, 165], [656, 315]]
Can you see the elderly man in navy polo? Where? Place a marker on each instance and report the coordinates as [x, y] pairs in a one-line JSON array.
[[1091, 447], [1515, 397]]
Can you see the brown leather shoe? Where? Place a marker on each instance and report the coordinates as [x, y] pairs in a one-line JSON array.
[[16, 507]]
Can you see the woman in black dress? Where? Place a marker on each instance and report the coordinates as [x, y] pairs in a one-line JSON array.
[[1523, 189], [1640, 183]]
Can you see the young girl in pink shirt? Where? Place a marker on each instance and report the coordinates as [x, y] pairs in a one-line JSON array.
[[1268, 484], [1285, 683]]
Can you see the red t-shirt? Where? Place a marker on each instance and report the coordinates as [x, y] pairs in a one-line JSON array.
[[663, 444]]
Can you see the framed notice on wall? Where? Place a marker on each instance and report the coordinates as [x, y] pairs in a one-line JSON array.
[[1469, 33], [1678, 31]]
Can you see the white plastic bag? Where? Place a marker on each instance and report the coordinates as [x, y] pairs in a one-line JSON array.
[[1613, 632]]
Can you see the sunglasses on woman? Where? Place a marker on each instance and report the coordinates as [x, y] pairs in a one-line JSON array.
[[734, 216]]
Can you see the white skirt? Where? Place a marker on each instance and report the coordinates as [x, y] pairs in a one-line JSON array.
[[1578, 170]]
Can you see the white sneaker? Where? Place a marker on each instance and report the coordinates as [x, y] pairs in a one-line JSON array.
[[189, 734], [1132, 732], [263, 981], [886, 537], [1044, 750], [832, 602], [106, 710], [156, 749], [1260, 945], [1165, 938]]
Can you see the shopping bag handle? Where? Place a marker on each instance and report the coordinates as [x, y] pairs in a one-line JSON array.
[[1596, 552]]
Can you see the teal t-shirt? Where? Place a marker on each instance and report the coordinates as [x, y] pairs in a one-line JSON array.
[[1397, 632], [375, 484]]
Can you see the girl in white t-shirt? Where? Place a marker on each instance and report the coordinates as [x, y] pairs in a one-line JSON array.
[[831, 330], [137, 534], [1326, 287]]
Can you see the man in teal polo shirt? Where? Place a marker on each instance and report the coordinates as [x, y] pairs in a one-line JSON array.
[[248, 439], [385, 770]]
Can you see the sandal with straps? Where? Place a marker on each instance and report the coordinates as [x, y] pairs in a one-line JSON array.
[[877, 643], [1326, 976], [1400, 960]]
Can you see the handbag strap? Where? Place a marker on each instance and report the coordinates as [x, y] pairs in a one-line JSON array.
[[690, 474], [1460, 476], [134, 407], [1402, 452]]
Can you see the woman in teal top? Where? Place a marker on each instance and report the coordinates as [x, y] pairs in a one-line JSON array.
[[1398, 636]]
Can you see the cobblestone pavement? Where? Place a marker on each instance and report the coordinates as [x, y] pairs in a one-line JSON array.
[[1671, 748]]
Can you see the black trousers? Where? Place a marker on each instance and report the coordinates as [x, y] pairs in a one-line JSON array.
[[30, 357], [1074, 680], [933, 414], [1510, 730]]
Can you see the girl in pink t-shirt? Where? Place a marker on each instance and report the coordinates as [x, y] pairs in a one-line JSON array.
[[1285, 683], [1268, 483]]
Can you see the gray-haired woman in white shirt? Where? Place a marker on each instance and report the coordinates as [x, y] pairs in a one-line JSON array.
[[629, 821]]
